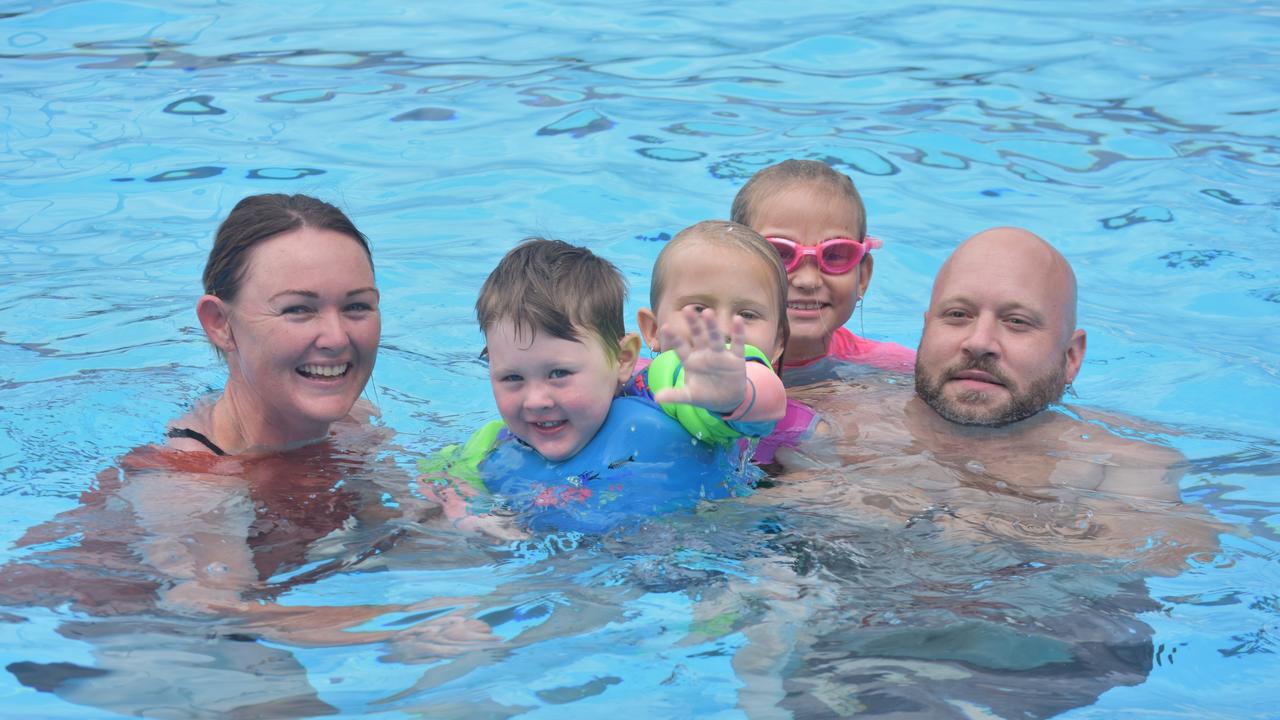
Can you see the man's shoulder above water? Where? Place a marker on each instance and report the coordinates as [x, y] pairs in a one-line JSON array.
[[1131, 453], [1078, 448]]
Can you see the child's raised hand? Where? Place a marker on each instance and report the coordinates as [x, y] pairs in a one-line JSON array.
[[715, 376]]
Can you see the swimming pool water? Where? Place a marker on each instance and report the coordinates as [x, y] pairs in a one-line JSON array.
[[1139, 137]]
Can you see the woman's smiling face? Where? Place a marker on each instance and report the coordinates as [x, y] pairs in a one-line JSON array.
[[304, 331]]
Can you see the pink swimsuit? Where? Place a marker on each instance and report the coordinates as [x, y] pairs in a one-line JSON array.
[[850, 348], [846, 353], [794, 427], [845, 348]]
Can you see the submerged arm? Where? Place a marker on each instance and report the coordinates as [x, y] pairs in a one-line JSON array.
[[452, 478], [196, 528], [197, 538]]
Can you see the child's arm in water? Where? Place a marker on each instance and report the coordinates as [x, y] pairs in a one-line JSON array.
[[719, 378], [452, 479], [462, 504]]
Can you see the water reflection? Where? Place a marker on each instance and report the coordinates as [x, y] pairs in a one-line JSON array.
[[171, 567], [888, 582], [878, 586], [947, 578]]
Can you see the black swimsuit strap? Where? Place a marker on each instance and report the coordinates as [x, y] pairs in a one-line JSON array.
[[198, 437]]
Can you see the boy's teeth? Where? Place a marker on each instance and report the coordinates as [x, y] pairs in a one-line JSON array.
[[325, 370], [805, 306]]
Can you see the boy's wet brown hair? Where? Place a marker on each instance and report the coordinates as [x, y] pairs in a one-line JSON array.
[[551, 286]]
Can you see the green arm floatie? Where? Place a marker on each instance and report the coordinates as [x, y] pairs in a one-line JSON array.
[[666, 371], [463, 461]]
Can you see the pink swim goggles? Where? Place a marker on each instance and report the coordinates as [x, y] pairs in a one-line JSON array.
[[835, 256]]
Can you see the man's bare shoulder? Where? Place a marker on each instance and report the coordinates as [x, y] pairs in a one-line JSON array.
[[1133, 439], [1135, 454]]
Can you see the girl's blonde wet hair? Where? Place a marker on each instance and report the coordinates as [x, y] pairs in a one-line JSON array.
[[730, 235], [775, 178]]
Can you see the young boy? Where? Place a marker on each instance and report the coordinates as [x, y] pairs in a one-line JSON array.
[[559, 355]]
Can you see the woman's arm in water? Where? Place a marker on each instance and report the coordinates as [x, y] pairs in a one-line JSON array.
[[196, 538], [196, 526]]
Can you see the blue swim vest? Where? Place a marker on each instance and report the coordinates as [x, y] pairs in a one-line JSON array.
[[641, 463]]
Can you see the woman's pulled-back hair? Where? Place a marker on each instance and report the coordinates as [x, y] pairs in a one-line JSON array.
[[775, 178], [556, 288], [262, 217]]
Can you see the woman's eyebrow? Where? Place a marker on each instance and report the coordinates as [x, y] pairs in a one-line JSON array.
[[314, 294], [304, 293]]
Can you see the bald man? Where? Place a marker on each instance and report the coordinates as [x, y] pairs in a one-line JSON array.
[[976, 466], [1000, 341], [978, 439]]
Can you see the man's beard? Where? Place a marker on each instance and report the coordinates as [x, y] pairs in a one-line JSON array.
[[965, 409]]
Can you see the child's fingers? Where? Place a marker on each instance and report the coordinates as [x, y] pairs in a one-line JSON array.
[[715, 336], [673, 339], [446, 495], [499, 528], [697, 327], [738, 337]]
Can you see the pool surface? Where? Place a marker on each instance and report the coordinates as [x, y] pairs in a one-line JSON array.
[[1141, 138]]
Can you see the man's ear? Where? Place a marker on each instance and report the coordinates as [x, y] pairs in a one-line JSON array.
[[628, 353], [1075, 354], [215, 318], [648, 323]]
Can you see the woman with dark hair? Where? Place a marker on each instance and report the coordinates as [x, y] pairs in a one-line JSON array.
[[291, 304], [174, 559]]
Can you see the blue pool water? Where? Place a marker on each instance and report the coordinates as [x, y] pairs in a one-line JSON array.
[[1141, 138]]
